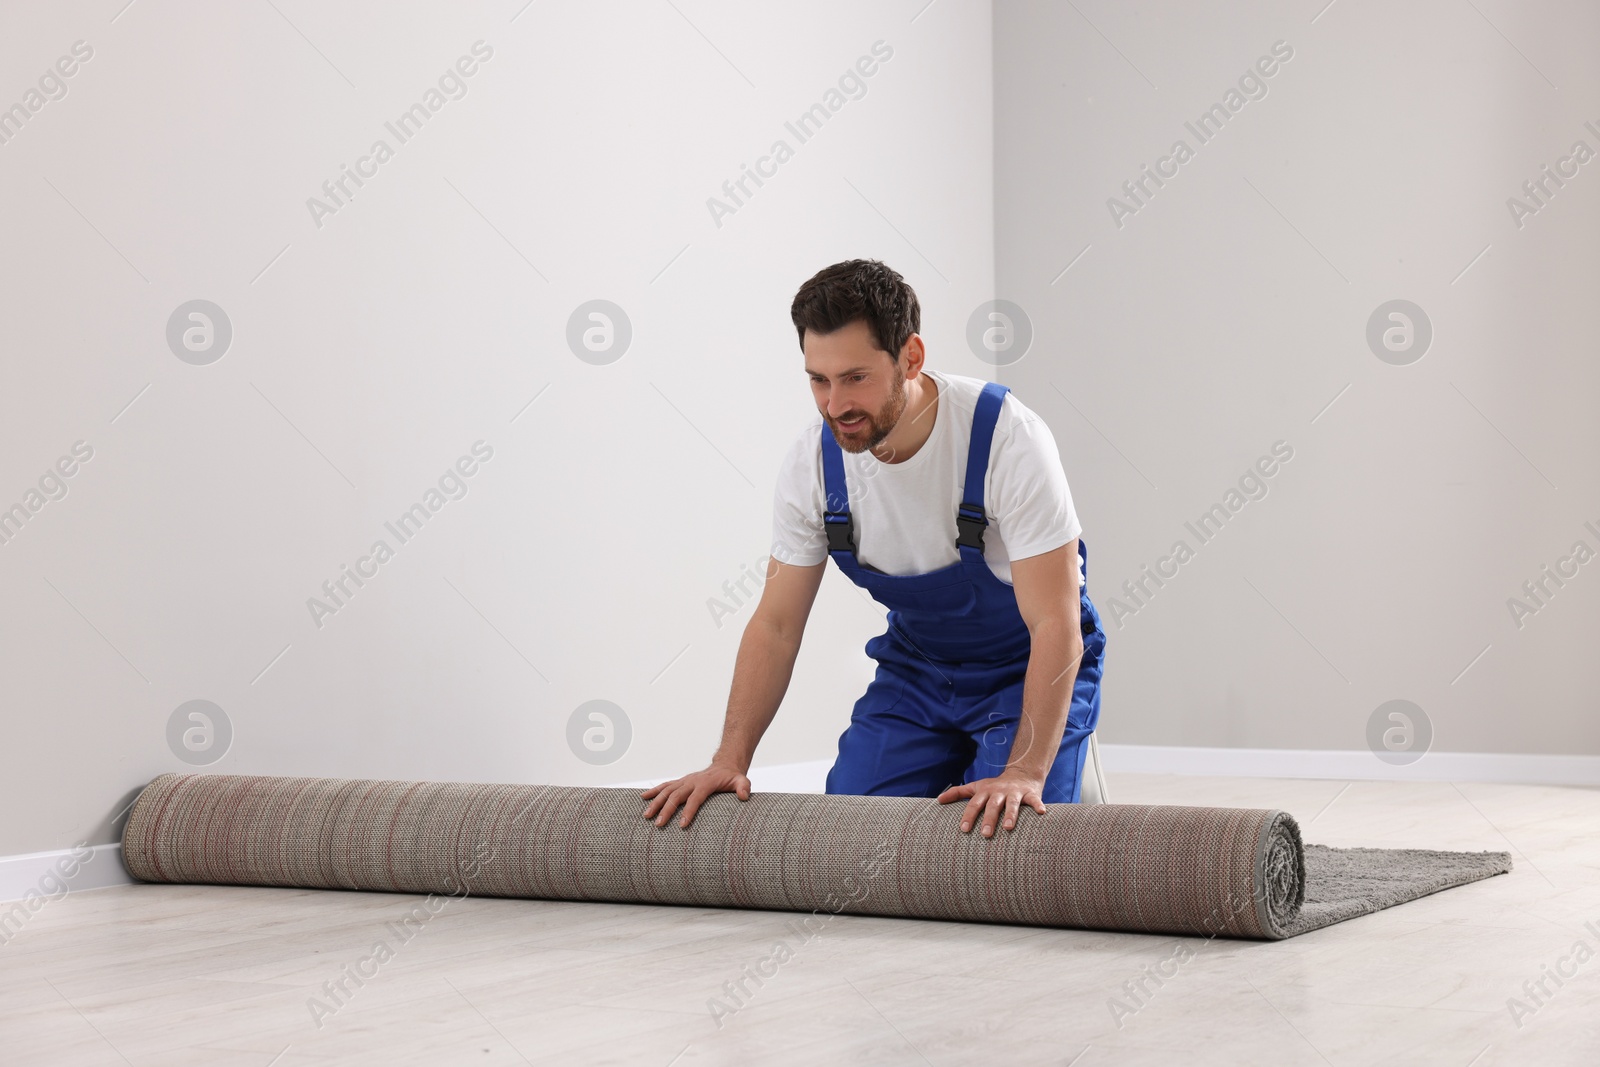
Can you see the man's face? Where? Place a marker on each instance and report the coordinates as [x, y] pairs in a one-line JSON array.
[[859, 390]]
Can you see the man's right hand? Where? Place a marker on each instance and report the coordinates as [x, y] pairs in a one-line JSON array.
[[691, 791]]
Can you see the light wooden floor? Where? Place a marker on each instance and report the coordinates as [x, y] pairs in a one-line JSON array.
[[175, 975]]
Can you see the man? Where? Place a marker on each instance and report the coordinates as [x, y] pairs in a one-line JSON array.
[[943, 497]]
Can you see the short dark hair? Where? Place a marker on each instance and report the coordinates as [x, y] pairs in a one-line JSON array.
[[856, 290]]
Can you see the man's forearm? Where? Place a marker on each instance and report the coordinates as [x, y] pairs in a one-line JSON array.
[[761, 676], [1053, 657]]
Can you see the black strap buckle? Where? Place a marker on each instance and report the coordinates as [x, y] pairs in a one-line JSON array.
[[841, 527], [970, 523]]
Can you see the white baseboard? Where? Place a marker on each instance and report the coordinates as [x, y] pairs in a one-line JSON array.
[[807, 777], [1513, 768], [35, 879]]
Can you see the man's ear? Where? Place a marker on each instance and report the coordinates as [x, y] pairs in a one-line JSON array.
[[912, 354]]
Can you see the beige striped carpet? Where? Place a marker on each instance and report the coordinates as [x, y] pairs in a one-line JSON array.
[[1231, 872]]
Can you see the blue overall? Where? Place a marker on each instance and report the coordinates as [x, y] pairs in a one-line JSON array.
[[944, 705]]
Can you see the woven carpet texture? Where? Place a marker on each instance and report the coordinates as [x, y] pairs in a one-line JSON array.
[[1230, 872]]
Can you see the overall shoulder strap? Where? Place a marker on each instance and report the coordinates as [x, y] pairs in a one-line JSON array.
[[836, 518], [970, 519]]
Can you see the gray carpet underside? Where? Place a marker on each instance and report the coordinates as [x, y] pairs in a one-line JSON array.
[[1342, 883]]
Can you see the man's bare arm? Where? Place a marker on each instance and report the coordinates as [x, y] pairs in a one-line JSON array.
[[761, 674], [1047, 592]]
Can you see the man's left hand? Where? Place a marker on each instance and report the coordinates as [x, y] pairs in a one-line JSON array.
[[992, 796]]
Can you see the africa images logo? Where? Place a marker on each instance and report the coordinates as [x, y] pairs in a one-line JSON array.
[[451, 85]]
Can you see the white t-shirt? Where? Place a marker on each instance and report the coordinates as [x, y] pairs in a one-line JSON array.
[[905, 513]]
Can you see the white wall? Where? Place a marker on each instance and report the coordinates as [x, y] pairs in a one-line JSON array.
[[1229, 312], [426, 314], [431, 312]]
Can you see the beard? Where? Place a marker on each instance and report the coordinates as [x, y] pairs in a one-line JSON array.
[[879, 424]]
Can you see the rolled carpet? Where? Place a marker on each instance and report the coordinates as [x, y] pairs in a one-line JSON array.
[[1231, 872]]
